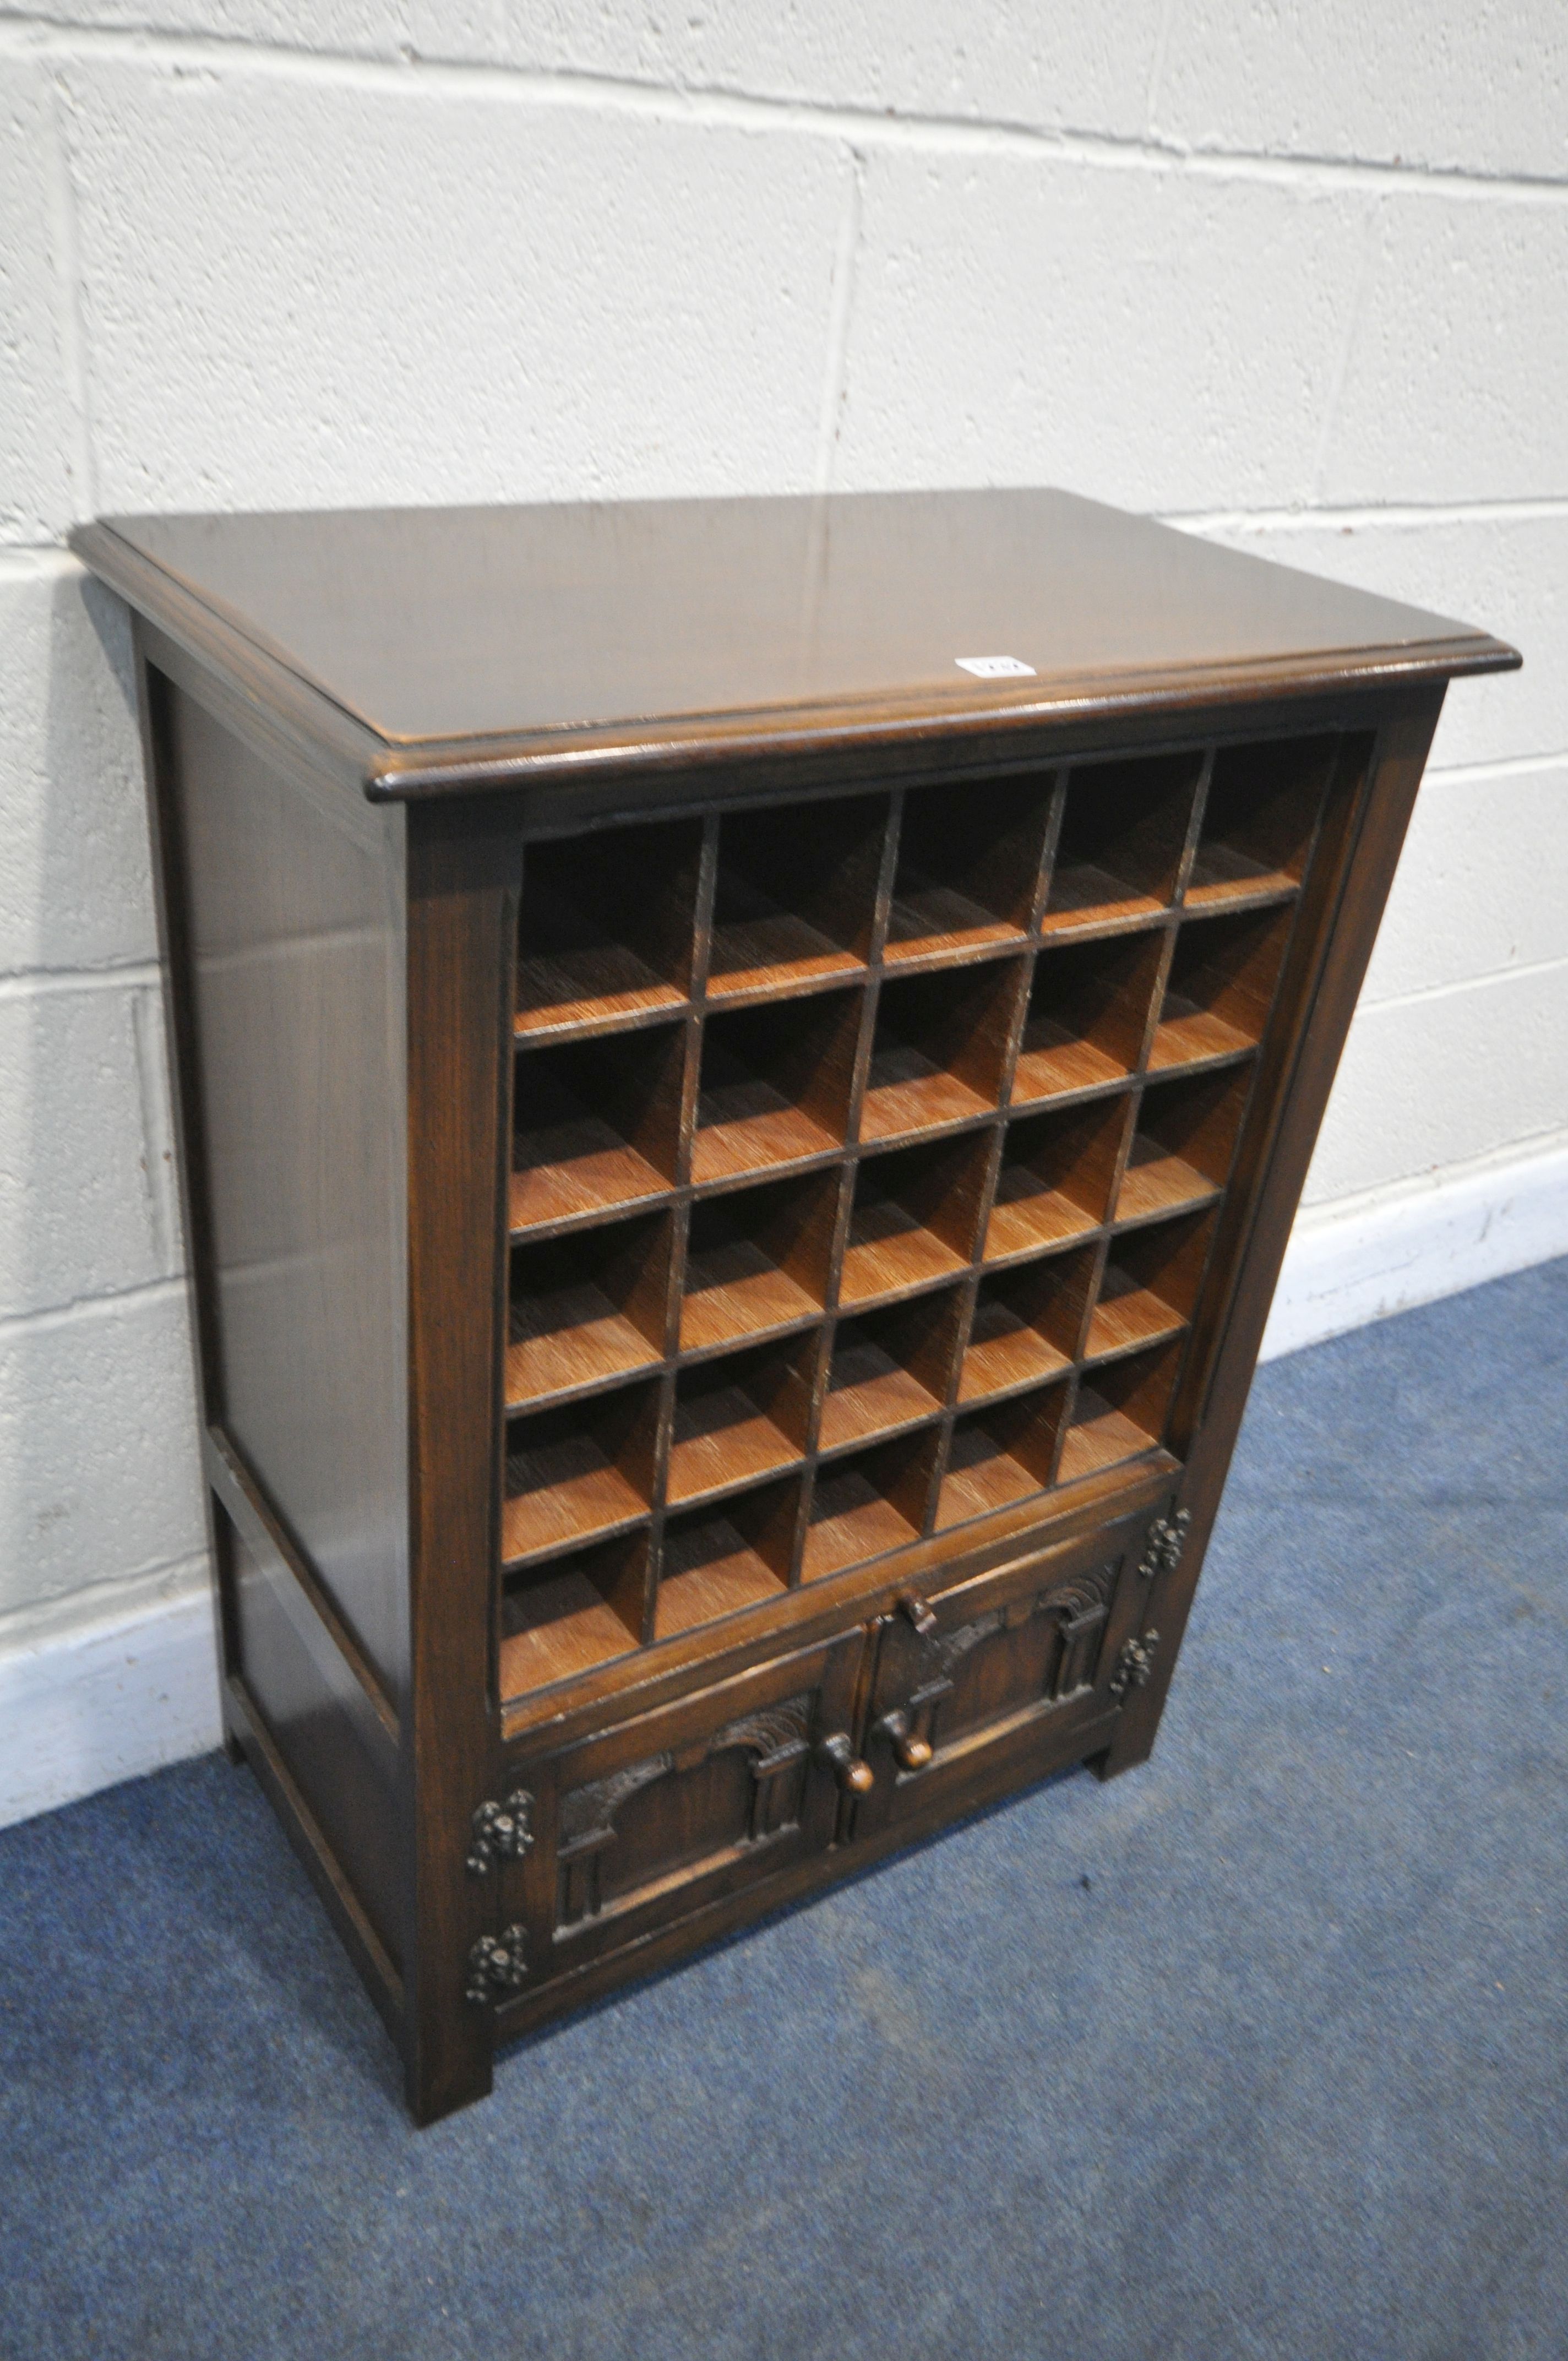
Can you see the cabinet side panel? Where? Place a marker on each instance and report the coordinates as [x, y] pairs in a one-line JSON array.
[[308, 1702], [293, 935]]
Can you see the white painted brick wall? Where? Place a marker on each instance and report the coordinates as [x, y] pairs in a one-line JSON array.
[[1171, 339], [1292, 276], [81, 1200], [75, 881], [1057, 67], [1477, 90], [437, 293], [1398, 1111], [1483, 887], [37, 438], [98, 1479], [1504, 566]]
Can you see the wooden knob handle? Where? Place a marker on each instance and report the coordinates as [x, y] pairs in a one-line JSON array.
[[855, 1777], [911, 1752]]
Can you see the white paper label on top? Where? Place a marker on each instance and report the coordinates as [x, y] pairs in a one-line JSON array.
[[995, 667]]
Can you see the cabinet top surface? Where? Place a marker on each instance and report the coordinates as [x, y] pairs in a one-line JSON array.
[[443, 627]]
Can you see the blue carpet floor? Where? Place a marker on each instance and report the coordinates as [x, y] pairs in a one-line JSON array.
[[1262, 2050]]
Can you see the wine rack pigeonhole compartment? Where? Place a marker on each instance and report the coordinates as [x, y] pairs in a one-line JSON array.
[[734, 1166]]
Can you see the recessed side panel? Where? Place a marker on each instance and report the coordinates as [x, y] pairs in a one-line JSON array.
[[313, 1710], [293, 935]]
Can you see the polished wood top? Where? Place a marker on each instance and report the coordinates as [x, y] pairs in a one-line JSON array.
[[517, 636]]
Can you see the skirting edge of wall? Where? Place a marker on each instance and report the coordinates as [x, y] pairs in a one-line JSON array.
[[84, 1704], [1368, 1258]]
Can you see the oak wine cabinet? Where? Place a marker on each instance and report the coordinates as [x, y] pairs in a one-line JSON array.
[[743, 1071]]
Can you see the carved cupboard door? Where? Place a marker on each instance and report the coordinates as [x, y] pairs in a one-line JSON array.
[[649, 1821], [1004, 1675]]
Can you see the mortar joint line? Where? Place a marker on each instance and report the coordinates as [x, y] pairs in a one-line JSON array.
[[835, 382], [69, 301], [1305, 517], [46, 1317], [1157, 70], [36, 982], [1489, 977], [44, 35], [1347, 348], [1507, 766], [157, 1129]]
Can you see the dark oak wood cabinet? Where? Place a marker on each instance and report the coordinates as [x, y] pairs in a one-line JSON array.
[[744, 1069]]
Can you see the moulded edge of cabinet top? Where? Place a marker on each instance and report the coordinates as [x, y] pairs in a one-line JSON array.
[[455, 648]]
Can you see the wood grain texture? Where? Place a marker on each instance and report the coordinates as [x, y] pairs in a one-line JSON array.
[[1221, 988], [742, 1417], [968, 868], [848, 1118], [1089, 1016], [1056, 1178], [566, 1496], [1028, 1324], [1118, 856], [596, 1126], [1183, 1144], [847, 1597], [462, 906], [852, 1521], [939, 1050], [569, 1339], [795, 896], [587, 1308], [1260, 818], [775, 1086], [580, 1470], [292, 974], [999, 1456], [711, 1569], [871, 1395], [1150, 1285], [914, 1218], [1006, 1351], [1128, 1314], [889, 1252], [605, 929], [1100, 1437], [756, 1260], [748, 622], [559, 1625]]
